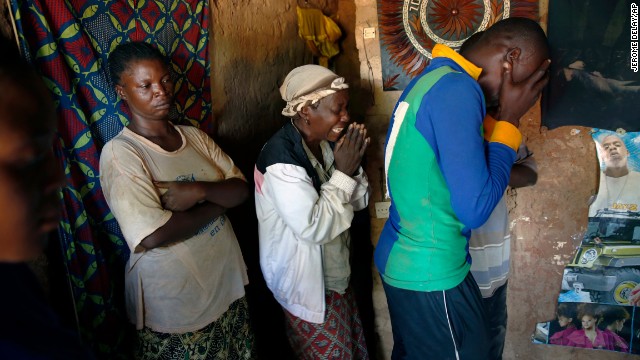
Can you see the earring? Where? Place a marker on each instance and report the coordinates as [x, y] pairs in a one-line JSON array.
[[306, 120]]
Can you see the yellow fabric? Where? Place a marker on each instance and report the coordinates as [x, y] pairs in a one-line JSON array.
[[320, 32], [444, 51], [506, 133]]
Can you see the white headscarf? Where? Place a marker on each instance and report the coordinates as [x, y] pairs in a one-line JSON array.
[[306, 85]]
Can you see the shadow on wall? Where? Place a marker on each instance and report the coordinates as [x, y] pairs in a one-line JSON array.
[[244, 126]]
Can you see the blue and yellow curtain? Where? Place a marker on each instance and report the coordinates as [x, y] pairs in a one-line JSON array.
[[69, 42]]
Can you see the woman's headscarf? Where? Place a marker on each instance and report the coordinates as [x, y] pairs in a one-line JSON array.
[[306, 85]]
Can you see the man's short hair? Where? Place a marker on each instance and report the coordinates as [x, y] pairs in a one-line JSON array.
[[519, 30]]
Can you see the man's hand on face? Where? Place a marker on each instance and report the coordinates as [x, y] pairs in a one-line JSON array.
[[517, 98]]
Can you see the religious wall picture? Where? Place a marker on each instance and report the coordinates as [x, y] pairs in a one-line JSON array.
[[409, 29], [594, 78]]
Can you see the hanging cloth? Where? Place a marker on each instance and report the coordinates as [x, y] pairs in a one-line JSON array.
[[320, 32]]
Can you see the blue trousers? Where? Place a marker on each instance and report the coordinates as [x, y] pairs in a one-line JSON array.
[[496, 309], [449, 324]]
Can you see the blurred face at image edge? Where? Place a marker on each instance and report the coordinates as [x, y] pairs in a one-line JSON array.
[[30, 175]]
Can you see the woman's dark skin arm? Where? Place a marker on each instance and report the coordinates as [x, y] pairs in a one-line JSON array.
[[182, 225], [182, 196], [228, 193], [188, 216]]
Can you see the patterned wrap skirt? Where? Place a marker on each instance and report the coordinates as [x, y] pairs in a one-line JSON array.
[[229, 337], [340, 337]]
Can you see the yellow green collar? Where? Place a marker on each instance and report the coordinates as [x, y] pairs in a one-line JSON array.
[[444, 51]]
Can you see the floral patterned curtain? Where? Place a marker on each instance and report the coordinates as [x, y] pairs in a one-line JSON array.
[[69, 42]]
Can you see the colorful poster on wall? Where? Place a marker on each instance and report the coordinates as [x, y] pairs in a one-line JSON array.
[[594, 78], [409, 29], [601, 284]]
